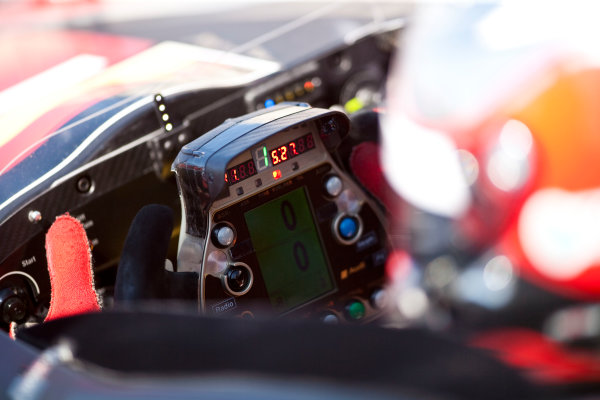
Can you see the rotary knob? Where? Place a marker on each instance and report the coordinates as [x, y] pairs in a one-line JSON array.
[[14, 304]]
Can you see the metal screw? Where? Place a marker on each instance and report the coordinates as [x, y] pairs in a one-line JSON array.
[[84, 184], [34, 216]]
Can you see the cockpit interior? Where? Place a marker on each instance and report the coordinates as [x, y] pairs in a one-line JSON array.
[[196, 202]]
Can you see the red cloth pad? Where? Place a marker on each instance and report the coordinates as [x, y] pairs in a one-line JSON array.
[[70, 268]]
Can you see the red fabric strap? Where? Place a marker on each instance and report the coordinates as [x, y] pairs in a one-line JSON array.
[[70, 268]]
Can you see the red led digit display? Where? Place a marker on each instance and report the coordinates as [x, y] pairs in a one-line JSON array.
[[240, 172], [278, 155], [292, 149]]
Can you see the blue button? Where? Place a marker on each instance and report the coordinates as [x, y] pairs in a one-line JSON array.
[[269, 103], [348, 227]]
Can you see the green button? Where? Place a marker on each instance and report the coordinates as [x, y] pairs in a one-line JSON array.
[[355, 310]]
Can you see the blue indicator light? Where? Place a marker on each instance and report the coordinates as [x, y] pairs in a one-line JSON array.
[[348, 227], [269, 103]]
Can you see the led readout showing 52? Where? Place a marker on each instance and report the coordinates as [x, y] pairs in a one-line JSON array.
[[264, 158], [292, 149]]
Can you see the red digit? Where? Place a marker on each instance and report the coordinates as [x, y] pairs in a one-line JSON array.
[[251, 169], [301, 145], [242, 171], [274, 157], [310, 143], [293, 147], [283, 153]]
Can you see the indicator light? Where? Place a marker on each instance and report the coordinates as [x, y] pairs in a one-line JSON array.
[[308, 86], [353, 105], [269, 103], [289, 95], [276, 174]]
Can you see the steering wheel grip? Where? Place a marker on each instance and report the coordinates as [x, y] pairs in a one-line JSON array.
[[141, 275]]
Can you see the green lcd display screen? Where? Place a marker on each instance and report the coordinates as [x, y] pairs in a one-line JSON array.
[[289, 251]]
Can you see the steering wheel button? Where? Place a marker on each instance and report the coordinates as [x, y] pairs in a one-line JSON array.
[[223, 235], [355, 310], [15, 309], [379, 257], [348, 227], [367, 240], [238, 279], [334, 186], [330, 318], [379, 298]]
